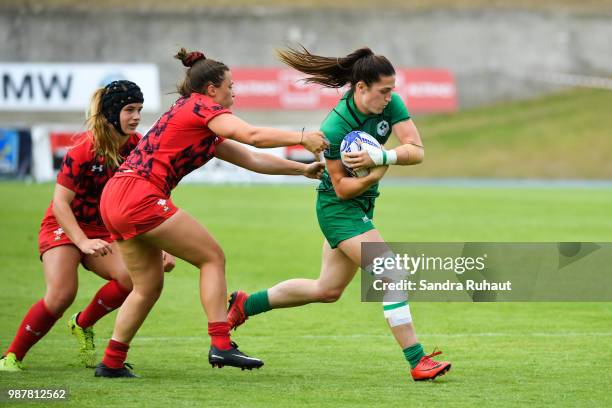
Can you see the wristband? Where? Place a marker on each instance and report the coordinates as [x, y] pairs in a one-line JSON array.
[[381, 157], [390, 156]]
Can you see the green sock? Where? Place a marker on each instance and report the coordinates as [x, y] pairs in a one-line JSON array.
[[257, 303], [414, 354]]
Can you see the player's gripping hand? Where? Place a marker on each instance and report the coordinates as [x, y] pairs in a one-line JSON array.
[[314, 142], [95, 247], [314, 170], [169, 261], [359, 160]]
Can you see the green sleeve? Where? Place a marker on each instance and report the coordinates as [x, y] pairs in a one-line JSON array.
[[398, 109], [334, 130]]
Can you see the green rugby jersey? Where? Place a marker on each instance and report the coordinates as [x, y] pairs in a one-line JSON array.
[[345, 117]]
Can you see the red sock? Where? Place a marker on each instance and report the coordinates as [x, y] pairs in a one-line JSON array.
[[219, 335], [36, 323], [115, 354], [108, 298]]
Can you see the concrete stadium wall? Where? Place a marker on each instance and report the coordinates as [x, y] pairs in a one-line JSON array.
[[493, 53]]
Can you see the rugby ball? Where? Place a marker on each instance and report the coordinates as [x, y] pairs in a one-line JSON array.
[[356, 141]]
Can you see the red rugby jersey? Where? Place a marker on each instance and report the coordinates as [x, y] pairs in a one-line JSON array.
[[178, 143], [85, 173]]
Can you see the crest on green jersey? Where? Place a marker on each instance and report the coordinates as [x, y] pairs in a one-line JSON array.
[[382, 128]]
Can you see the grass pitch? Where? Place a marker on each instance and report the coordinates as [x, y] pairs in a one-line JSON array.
[[512, 354]]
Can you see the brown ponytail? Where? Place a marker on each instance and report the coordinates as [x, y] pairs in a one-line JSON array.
[[201, 72], [106, 139], [331, 72]]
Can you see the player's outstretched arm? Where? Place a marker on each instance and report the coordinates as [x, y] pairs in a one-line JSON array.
[[232, 127], [349, 187], [233, 152], [62, 197]]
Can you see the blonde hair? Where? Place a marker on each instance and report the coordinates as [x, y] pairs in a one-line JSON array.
[[106, 139]]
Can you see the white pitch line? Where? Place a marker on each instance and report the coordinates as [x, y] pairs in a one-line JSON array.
[[382, 335], [364, 336]]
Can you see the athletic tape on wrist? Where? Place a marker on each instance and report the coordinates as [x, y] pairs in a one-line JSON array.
[[391, 157]]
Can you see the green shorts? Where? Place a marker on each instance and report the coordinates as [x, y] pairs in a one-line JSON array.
[[340, 220]]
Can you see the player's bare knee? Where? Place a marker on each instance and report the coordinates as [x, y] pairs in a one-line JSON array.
[[330, 295], [151, 291], [214, 258], [123, 279], [219, 257], [125, 282], [58, 300]]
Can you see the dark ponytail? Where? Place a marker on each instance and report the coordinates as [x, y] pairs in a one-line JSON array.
[[360, 65], [201, 72]]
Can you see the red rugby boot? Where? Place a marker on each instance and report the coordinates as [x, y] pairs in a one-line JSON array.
[[428, 369], [235, 311]]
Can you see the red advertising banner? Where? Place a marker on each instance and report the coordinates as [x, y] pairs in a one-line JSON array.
[[423, 90]]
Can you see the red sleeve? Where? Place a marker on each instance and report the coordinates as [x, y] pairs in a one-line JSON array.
[[205, 109], [68, 175], [68, 171]]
